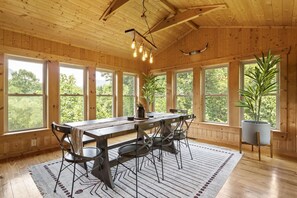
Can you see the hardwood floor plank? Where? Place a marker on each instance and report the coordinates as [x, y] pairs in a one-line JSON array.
[[271, 177]]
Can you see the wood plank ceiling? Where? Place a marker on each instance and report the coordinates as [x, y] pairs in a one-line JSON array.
[[78, 23]]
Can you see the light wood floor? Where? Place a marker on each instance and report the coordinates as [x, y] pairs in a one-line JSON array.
[[275, 177]]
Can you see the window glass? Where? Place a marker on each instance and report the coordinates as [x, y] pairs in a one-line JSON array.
[[129, 94], [104, 94], [216, 95], [184, 91], [26, 94], [71, 94], [160, 98]]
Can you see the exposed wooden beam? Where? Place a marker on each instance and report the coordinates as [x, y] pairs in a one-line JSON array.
[[185, 16], [174, 10], [115, 4]]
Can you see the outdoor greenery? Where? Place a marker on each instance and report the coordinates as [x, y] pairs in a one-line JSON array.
[[104, 93], [260, 89], [129, 95], [25, 101], [184, 91], [216, 95]]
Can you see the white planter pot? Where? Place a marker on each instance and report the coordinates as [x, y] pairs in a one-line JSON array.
[[250, 129]]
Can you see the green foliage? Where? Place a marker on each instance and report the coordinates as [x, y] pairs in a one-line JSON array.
[[150, 88], [216, 91], [72, 105], [128, 95], [262, 83], [24, 112], [184, 89]]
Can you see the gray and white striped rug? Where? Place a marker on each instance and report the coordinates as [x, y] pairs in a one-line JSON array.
[[201, 177]]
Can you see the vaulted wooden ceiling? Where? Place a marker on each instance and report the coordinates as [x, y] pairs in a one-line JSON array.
[[78, 23]]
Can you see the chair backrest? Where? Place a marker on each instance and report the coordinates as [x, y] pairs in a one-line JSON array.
[[169, 125], [146, 140], [186, 122], [62, 132]]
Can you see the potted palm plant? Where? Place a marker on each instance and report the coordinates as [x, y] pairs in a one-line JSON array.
[[150, 88], [263, 83]]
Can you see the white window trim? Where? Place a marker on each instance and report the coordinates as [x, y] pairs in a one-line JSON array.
[[44, 95], [204, 94], [68, 65], [113, 90]]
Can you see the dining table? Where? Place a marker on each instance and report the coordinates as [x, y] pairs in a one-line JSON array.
[[103, 129]]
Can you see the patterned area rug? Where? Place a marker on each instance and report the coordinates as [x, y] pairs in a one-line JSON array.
[[201, 177]]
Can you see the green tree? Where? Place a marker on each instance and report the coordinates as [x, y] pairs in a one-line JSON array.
[[24, 112], [104, 99], [184, 89], [71, 100]]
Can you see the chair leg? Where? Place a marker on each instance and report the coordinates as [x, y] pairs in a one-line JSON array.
[[86, 167], [188, 145], [59, 175], [73, 178], [161, 158], [141, 163], [271, 144], [240, 141], [180, 157], [115, 174], [136, 162], [154, 162]]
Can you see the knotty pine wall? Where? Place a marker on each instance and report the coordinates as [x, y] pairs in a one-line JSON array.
[[231, 46], [14, 43]]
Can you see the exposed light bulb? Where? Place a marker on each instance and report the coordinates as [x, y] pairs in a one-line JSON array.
[[141, 48], [133, 44], [151, 58], [145, 54], [135, 53], [143, 57]]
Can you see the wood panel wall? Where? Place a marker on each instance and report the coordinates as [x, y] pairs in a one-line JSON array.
[[13, 43], [230, 46]]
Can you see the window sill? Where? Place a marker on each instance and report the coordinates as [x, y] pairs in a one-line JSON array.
[[7, 134]]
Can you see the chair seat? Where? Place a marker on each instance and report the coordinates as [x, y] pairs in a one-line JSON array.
[[179, 136], [89, 153], [130, 150], [159, 142]]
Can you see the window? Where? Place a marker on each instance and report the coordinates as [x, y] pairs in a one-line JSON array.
[[160, 98], [104, 94], [25, 96], [184, 91], [216, 94], [270, 103], [129, 94], [72, 107]]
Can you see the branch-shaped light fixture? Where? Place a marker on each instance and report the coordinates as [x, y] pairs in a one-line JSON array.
[[140, 44]]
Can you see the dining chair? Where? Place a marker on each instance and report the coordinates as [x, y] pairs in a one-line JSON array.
[[87, 154], [163, 140], [181, 133], [140, 149]]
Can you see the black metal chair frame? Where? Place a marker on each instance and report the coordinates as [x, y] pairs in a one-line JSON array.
[[181, 133], [163, 140], [72, 158], [142, 143]]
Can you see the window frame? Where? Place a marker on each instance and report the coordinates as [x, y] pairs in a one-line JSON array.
[[241, 85], [135, 90], [44, 89], [175, 87], [203, 90], [113, 90], [84, 69]]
